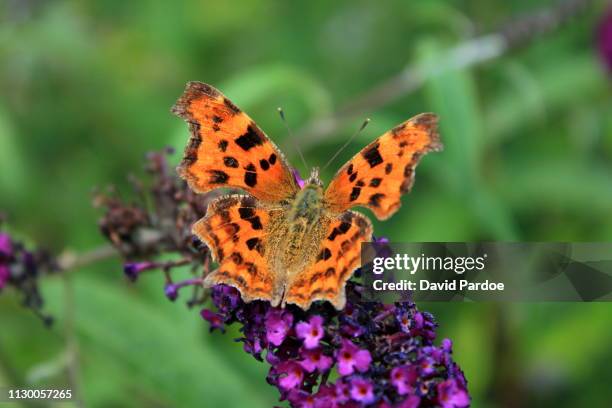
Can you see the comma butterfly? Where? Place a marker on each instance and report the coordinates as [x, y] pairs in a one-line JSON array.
[[280, 242]]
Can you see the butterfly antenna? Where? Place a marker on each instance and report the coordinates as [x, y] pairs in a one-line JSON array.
[[295, 144], [348, 142]]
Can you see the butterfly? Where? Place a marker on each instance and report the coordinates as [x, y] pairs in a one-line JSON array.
[[279, 242]]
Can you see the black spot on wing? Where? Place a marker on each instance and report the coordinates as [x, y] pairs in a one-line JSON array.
[[230, 162], [217, 119], [374, 200], [341, 229], [324, 255], [252, 243], [251, 138], [263, 163], [388, 168], [250, 175], [256, 222], [222, 145], [352, 177], [246, 213], [218, 177], [272, 159], [372, 155], [375, 182], [355, 193]]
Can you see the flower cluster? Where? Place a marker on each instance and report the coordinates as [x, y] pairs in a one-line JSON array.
[[20, 269], [368, 354]]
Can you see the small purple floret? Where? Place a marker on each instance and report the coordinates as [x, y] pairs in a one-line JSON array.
[[362, 390], [133, 269], [278, 323], [311, 332], [351, 358], [215, 319], [298, 179], [315, 360], [451, 395]]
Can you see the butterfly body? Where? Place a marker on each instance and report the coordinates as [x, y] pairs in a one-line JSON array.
[[279, 242], [296, 233]]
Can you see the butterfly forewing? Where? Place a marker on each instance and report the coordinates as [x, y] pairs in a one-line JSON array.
[[227, 149], [377, 176]]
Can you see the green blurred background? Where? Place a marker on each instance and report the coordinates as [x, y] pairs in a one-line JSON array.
[[85, 92]]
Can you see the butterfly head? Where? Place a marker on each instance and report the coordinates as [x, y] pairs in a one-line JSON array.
[[314, 180]]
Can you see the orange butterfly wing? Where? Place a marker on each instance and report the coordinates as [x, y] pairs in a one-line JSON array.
[[227, 149], [339, 256], [234, 229], [384, 170]]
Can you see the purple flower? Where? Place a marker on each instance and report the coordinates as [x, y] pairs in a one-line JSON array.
[[604, 40], [403, 319], [6, 247], [411, 401], [311, 332], [427, 366], [315, 360], [290, 375], [404, 379], [278, 324], [133, 269], [215, 319], [298, 179], [6, 253], [226, 298], [302, 399], [5, 274], [351, 357], [447, 345], [362, 390], [451, 395], [171, 290]]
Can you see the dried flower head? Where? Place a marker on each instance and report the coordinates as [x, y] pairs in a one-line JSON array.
[[20, 269]]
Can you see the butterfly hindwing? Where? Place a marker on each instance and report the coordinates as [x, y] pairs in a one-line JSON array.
[[384, 170], [338, 257], [227, 149], [234, 230]]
